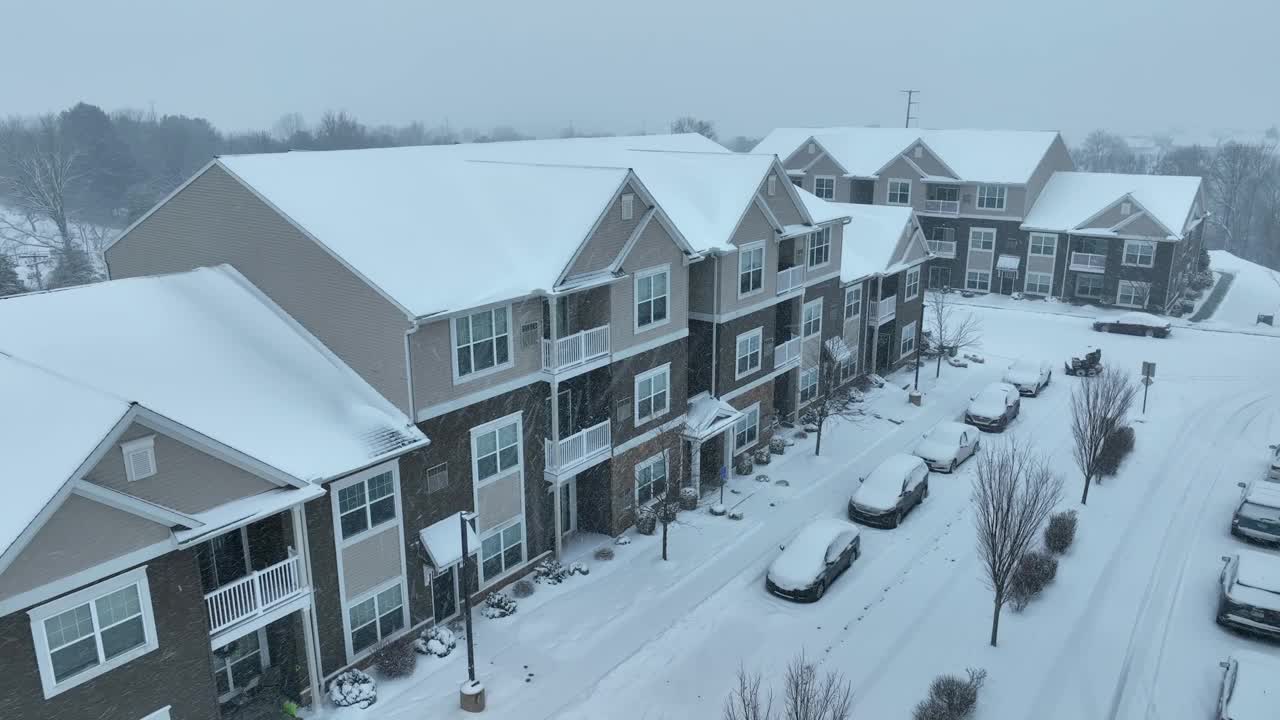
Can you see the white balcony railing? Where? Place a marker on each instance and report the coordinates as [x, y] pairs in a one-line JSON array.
[[1088, 262], [882, 311], [578, 447], [576, 349], [254, 594], [942, 207], [790, 279], [942, 248], [786, 352]]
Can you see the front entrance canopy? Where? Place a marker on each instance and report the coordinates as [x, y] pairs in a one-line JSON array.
[[443, 542], [707, 417], [1009, 263]]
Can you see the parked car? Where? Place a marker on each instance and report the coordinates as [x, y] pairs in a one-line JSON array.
[[1257, 516], [994, 407], [1029, 376], [1274, 472], [1135, 323], [813, 560], [947, 445], [891, 491], [1249, 597], [1250, 687]]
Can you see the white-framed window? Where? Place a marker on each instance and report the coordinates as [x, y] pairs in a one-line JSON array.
[[83, 635], [1038, 283], [628, 206], [1043, 244], [482, 342], [992, 197], [1131, 293], [501, 550], [365, 504], [848, 369], [852, 302], [652, 289], [811, 322], [979, 280], [437, 477], [238, 668], [495, 448], [139, 458], [750, 269], [982, 238], [1089, 285], [746, 430], [824, 186], [819, 247], [899, 192], [653, 393], [749, 351], [913, 283], [1139, 253], [808, 384], [907, 343], [651, 478], [771, 185], [376, 617]]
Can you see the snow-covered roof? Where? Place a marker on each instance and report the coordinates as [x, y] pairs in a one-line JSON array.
[[1256, 695], [1071, 199], [443, 541], [244, 510], [708, 415], [206, 350], [871, 238]]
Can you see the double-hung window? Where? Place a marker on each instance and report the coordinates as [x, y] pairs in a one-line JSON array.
[[482, 341], [1038, 283], [812, 318], [979, 280], [652, 287], [908, 342], [992, 197], [366, 504], [824, 186], [653, 394], [376, 617], [750, 268], [913, 283], [819, 247], [1089, 285], [749, 351], [1132, 293], [497, 449], [502, 550], [1139, 253], [1044, 244], [746, 431], [808, 384], [982, 239], [236, 668], [899, 192], [852, 302], [651, 478]]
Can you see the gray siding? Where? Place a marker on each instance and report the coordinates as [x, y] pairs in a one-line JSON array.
[[1145, 227], [754, 227], [654, 247], [927, 161], [1111, 217], [1015, 195], [702, 280], [827, 166], [371, 561], [602, 248], [186, 479], [1055, 159], [783, 207], [216, 220]]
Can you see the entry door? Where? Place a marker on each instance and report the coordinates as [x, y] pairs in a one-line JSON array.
[[569, 507], [939, 277], [1006, 283], [444, 595]]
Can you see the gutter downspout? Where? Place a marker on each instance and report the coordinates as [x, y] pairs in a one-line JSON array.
[[554, 302], [1066, 267], [715, 325], [408, 370], [311, 635], [875, 338]]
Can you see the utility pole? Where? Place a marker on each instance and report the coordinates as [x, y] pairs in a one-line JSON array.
[[911, 102]]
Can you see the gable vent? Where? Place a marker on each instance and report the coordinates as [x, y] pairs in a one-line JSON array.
[[139, 458], [1126, 208], [773, 185], [628, 206], [812, 148], [918, 152]]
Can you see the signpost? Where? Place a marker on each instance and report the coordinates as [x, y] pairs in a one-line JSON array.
[[1148, 375]]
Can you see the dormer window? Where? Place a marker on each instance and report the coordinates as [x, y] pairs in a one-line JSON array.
[[139, 458], [1126, 208], [628, 206]]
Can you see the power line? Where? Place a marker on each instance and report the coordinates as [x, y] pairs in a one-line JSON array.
[[911, 102]]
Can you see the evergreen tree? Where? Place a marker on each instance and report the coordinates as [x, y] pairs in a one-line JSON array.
[[10, 283], [74, 267]]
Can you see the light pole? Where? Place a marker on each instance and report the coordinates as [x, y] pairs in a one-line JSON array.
[[471, 695]]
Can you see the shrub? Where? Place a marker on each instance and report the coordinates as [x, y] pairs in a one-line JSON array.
[[603, 554], [353, 688], [646, 521], [395, 659], [498, 605], [523, 589], [579, 568], [436, 640], [1034, 573], [1193, 293], [743, 464], [1201, 280], [951, 698], [1204, 260], [777, 445], [1114, 449], [689, 497], [762, 456], [1187, 306], [1060, 532], [550, 571]]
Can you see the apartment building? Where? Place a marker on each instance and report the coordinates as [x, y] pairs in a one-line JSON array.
[[168, 553]]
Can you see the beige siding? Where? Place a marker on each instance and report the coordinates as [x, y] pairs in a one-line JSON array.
[[837, 250], [783, 207], [798, 157], [900, 170], [498, 502], [702, 281], [754, 226], [827, 166], [602, 248], [655, 247], [1144, 227], [216, 220], [910, 247], [187, 480], [928, 162], [1055, 159], [78, 536], [371, 561], [433, 358]]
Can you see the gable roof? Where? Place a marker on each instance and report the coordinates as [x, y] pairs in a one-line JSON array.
[[872, 240], [1071, 199]]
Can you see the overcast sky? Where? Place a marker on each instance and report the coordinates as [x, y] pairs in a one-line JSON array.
[[748, 65]]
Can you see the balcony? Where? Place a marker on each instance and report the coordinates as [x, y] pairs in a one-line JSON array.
[[255, 594], [1088, 262], [790, 279], [882, 311], [576, 349], [579, 448], [942, 248], [942, 207], [786, 352]]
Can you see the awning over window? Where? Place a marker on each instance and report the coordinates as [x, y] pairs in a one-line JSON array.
[[708, 416], [443, 542], [838, 349], [1008, 263]]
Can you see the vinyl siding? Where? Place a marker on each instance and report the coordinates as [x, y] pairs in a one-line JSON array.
[[827, 166], [1144, 226], [1055, 159], [371, 561], [928, 162], [702, 280], [753, 228], [783, 207], [602, 248], [654, 247], [1110, 218]]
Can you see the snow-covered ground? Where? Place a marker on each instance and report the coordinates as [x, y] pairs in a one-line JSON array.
[[1126, 630], [1255, 291]]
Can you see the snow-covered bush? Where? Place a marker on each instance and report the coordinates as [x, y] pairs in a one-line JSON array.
[[1034, 573], [762, 456], [1060, 532], [743, 464], [718, 509], [579, 568], [498, 604], [353, 688], [603, 554], [1114, 449], [646, 521], [951, 698], [667, 511], [777, 445], [395, 659], [1200, 280], [523, 589], [436, 640], [1193, 293], [688, 498], [1187, 306], [550, 571]]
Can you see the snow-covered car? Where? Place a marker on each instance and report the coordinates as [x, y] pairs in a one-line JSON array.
[[1257, 516], [1249, 597], [1029, 376], [1135, 323], [890, 492], [994, 407], [947, 445], [813, 560], [1250, 687], [1273, 473]]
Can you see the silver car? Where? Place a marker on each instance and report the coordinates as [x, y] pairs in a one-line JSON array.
[[947, 445]]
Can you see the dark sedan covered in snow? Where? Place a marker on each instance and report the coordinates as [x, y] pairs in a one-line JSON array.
[[891, 491], [1257, 516], [994, 407], [813, 560], [1249, 596], [1135, 323]]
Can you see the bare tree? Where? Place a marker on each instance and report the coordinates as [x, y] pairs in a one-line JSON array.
[[1234, 175], [746, 702], [1099, 405], [953, 329], [667, 505], [806, 695], [1014, 492], [832, 401], [690, 124], [42, 171]]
